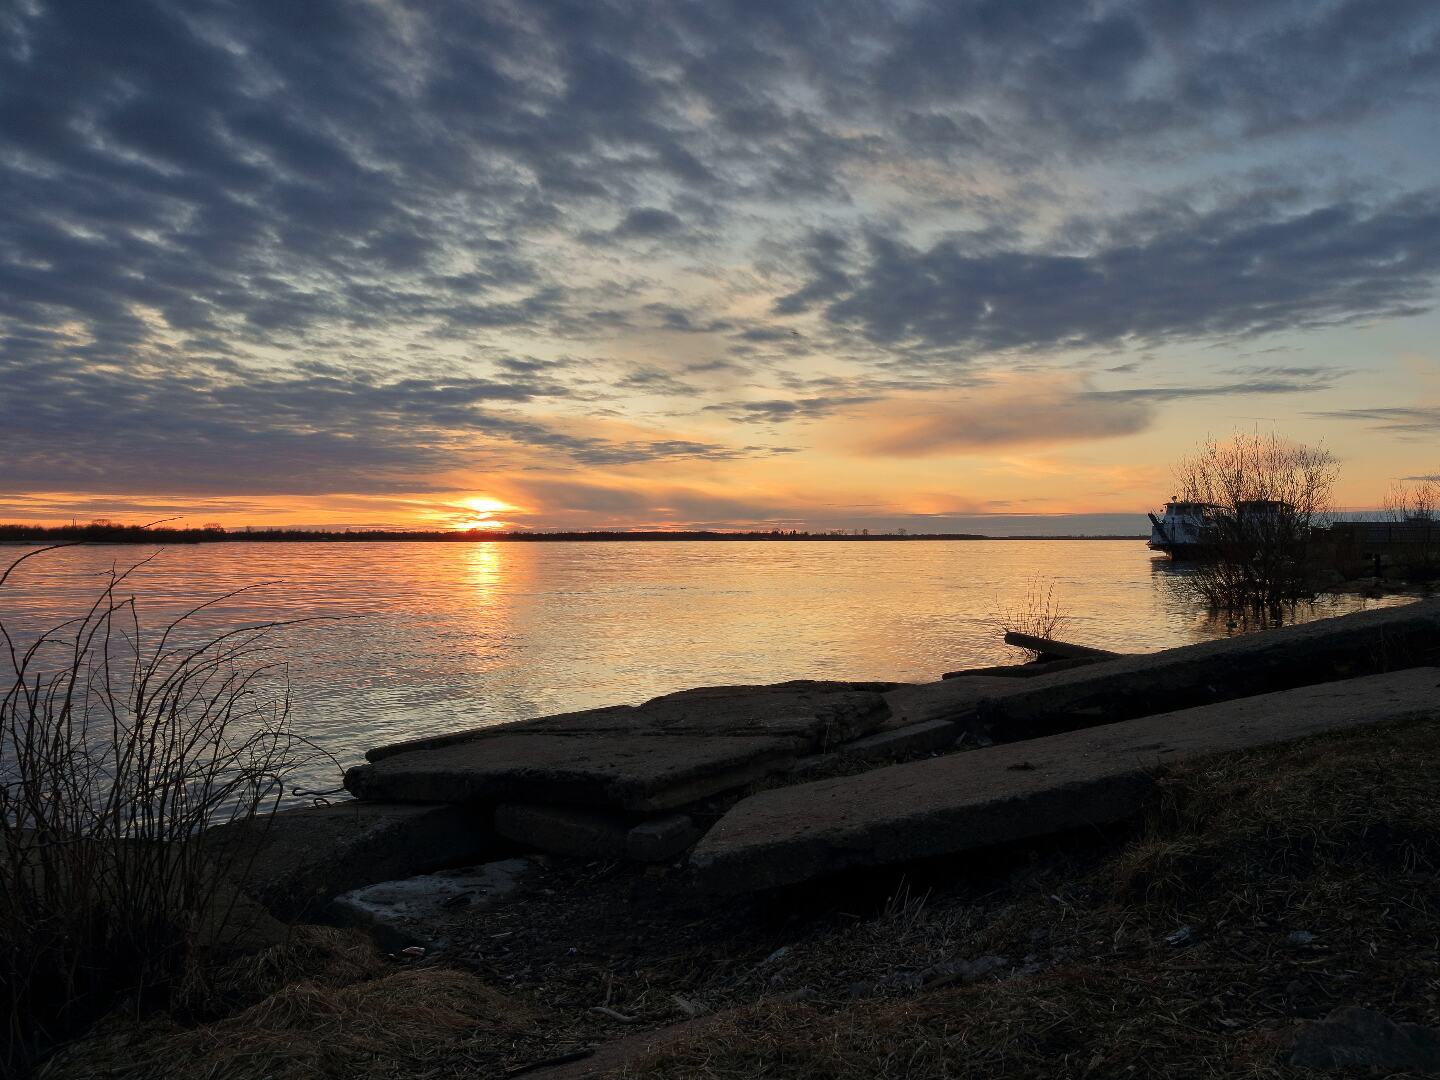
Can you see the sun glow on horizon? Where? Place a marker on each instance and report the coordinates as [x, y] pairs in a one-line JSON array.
[[481, 514]]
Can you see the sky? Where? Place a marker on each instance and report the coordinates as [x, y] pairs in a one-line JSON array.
[[986, 265]]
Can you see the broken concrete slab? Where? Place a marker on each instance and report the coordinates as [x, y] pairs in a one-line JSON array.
[[1016, 791], [820, 712], [1386, 639], [910, 739], [231, 921], [1366, 642], [605, 769], [661, 839], [594, 834], [563, 830], [822, 717], [955, 701], [296, 861], [926, 736], [825, 712], [665, 753]]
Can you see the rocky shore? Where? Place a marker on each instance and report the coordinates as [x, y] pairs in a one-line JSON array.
[[753, 787], [643, 875]]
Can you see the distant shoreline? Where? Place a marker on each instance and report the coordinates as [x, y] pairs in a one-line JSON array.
[[13, 535]]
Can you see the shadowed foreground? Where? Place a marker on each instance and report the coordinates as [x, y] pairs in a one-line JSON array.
[[1262, 891]]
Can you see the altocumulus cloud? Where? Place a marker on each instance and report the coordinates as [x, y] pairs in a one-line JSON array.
[[1237, 270], [196, 192], [203, 429]]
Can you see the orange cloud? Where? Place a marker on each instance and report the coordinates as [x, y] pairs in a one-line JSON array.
[[1029, 410]]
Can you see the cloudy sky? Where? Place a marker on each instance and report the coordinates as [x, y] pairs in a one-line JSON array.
[[780, 263]]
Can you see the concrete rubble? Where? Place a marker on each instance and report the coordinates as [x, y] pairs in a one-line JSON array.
[[297, 861], [1067, 745], [888, 745], [1385, 639], [666, 753], [805, 709], [1025, 789]]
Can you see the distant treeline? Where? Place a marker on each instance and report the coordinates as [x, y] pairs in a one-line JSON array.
[[106, 533]]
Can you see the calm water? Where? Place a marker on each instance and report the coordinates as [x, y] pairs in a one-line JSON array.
[[467, 634]]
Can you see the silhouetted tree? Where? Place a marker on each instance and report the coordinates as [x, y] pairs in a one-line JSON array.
[[1415, 505], [1266, 495]]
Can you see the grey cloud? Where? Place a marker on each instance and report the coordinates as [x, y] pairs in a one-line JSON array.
[[1232, 271], [186, 182], [645, 225], [649, 221], [672, 317], [1098, 73], [767, 333], [1401, 419], [651, 380], [1288, 371], [1181, 393], [23, 507], [982, 423], [782, 410], [77, 428], [227, 158]]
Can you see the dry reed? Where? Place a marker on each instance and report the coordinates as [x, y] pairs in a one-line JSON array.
[[1039, 613], [116, 751]]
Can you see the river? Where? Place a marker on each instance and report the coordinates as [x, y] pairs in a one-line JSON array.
[[440, 635]]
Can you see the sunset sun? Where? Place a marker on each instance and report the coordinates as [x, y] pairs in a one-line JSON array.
[[480, 513]]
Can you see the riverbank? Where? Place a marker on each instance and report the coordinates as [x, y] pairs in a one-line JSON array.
[[1255, 894], [1072, 885]]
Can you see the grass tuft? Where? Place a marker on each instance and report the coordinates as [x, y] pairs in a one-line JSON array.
[[117, 749], [387, 1026], [1039, 613]]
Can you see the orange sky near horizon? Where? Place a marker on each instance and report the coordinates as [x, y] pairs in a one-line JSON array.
[[1016, 447]]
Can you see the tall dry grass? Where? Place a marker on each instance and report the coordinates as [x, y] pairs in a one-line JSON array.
[[118, 748], [1040, 612]]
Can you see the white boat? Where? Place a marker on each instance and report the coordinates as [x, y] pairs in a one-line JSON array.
[[1196, 530], [1186, 530]]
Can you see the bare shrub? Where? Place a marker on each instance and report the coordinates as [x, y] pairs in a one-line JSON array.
[[1414, 500], [1266, 494], [1039, 613], [1415, 505], [116, 752]]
